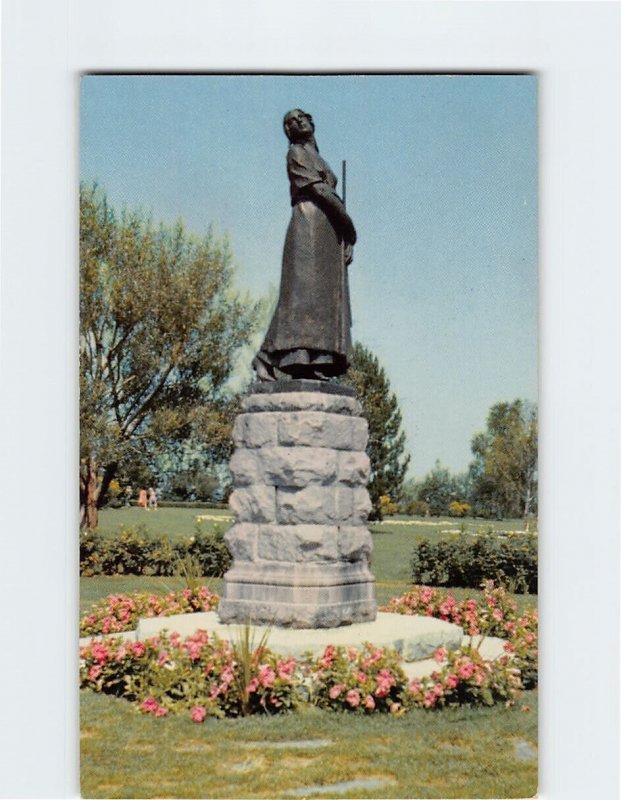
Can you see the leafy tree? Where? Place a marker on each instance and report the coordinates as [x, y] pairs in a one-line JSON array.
[[386, 447], [504, 469], [438, 489], [159, 328]]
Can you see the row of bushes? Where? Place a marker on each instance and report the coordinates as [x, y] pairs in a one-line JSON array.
[[465, 562], [135, 552], [205, 676]]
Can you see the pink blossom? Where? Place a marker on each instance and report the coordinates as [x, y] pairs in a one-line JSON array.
[[163, 658], [438, 690], [94, 672], [414, 686], [452, 680], [138, 649], [336, 690], [252, 686], [100, 653], [440, 654], [160, 711], [369, 702], [149, 705], [429, 700], [466, 670], [198, 713], [266, 676], [353, 698], [360, 676], [498, 614], [352, 653]]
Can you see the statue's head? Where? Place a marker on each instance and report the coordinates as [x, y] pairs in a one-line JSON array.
[[298, 125]]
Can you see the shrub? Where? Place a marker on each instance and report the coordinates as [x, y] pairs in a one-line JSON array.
[[466, 678], [461, 561], [199, 675], [121, 612], [495, 615], [387, 507], [417, 508], [348, 679], [457, 509], [134, 552]]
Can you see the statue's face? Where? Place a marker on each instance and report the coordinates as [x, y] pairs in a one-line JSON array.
[[299, 125]]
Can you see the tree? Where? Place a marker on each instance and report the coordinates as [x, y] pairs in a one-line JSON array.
[[504, 470], [386, 447], [159, 327], [438, 489]]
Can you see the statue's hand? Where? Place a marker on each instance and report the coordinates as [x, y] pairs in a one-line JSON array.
[[349, 254]]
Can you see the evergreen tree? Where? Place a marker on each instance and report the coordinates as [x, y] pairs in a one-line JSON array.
[[386, 447]]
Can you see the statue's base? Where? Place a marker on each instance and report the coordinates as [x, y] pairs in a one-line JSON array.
[[300, 543], [298, 595]]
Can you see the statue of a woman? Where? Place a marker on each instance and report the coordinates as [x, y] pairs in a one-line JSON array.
[[309, 335]]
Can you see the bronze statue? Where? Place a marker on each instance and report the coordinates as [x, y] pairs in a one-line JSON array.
[[309, 335]]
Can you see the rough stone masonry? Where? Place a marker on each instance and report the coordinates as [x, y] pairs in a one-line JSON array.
[[300, 544]]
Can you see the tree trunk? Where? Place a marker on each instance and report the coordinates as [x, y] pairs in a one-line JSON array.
[[90, 495]]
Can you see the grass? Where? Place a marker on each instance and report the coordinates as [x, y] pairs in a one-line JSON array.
[[466, 752], [463, 753], [176, 523]]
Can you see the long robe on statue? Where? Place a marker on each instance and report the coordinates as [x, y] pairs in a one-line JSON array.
[[312, 321]]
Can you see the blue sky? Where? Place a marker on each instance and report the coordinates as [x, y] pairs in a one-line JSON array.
[[442, 187]]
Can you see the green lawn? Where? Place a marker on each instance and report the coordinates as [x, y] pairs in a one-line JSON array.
[[466, 752], [176, 523], [453, 753]]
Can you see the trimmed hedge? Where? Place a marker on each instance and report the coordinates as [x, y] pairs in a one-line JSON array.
[[466, 562], [134, 552]]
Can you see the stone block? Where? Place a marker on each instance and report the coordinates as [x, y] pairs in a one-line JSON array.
[[241, 540], [254, 503], [294, 543], [361, 505], [246, 466], [319, 429], [256, 430], [298, 466], [353, 468], [302, 401], [354, 543], [313, 504]]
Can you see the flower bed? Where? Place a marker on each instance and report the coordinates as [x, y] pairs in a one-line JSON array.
[[495, 615], [121, 612], [205, 676]]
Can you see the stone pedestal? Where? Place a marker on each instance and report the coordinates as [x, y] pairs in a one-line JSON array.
[[300, 543]]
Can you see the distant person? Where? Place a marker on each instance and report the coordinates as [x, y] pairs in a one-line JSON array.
[[128, 496], [142, 498], [152, 500]]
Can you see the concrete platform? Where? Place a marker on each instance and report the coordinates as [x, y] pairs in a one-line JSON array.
[[414, 637]]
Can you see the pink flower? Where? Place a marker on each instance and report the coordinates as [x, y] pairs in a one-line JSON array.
[[266, 676], [497, 614], [429, 700], [94, 672], [352, 653], [149, 705], [360, 676], [100, 653], [414, 686], [198, 713], [286, 668], [138, 649], [328, 657], [160, 711], [440, 655], [466, 670], [252, 686], [353, 698], [438, 690], [452, 680], [336, 690], [369, 702]]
